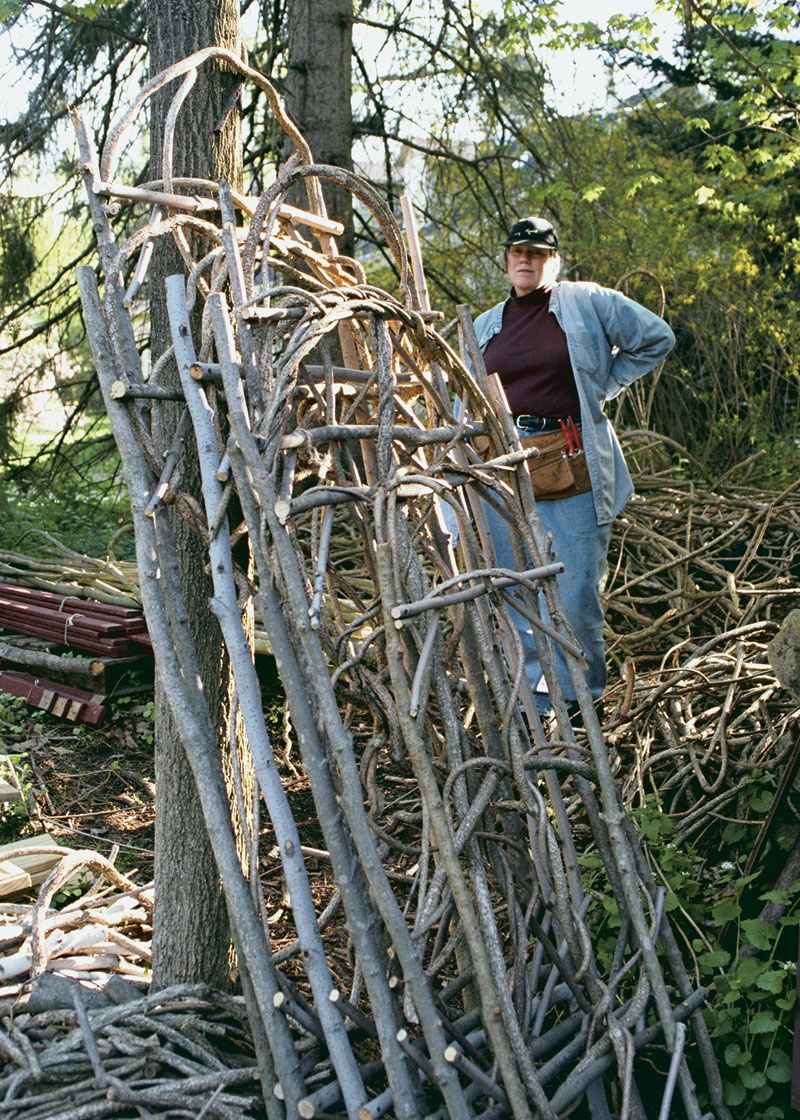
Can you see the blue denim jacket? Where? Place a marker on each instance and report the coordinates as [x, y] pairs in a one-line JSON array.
[[612, 341]]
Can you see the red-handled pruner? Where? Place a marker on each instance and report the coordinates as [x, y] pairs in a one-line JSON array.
[[571, 435]]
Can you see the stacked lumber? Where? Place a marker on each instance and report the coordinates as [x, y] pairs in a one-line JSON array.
[[104, 675], [25, 864], [74, 688], [58, 699], [69, 621]]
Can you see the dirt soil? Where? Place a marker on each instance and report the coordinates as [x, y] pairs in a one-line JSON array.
[[87, 787], [94, 788]]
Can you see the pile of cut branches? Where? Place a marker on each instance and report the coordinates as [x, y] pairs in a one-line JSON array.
[[693, 559], [701, 576], [79, 1034], [182, 1052], [106, 930]]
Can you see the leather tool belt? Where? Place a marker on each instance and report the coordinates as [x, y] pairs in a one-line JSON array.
[[559, 470]]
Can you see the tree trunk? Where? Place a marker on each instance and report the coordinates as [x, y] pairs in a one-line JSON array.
[[191, 934], [319, 91]]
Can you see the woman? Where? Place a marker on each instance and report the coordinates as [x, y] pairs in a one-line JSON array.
[[561, 350]]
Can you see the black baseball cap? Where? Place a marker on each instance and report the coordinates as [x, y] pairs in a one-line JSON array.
[[533, 231]]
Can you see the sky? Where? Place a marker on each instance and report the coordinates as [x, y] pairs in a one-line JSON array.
[[578, 76]]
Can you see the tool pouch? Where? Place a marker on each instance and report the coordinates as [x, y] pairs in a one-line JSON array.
[[555, 473]]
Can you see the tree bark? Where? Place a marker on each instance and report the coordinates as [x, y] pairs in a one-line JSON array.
[[191, 932], [319, 92]]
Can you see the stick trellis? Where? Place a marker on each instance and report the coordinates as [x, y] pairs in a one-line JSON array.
[[452, 818]]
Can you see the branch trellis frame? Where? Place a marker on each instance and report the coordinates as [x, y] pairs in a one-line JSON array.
[[476, 988]]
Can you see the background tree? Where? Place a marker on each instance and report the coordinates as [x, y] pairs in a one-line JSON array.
[[318, 91], [73, 58], [190, 934]]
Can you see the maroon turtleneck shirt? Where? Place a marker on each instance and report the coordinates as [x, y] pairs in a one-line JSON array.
[[530, 355]]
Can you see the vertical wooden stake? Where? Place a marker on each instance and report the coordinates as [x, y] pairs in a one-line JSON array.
[[415, 253]]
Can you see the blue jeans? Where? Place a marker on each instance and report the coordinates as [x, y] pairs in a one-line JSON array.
[[582, 546]]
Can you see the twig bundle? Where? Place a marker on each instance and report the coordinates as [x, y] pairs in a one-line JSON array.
[[184, 1052], [65, 572], [692, 559]]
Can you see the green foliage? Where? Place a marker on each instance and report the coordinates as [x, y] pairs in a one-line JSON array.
[[10, 9], [747, 962], [13, 813], [753, 1017], [77, 497], [74, 888], [681, 866], [146, 726], [17, 256], [11, 710]]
